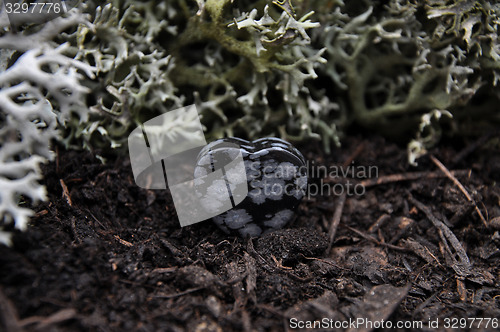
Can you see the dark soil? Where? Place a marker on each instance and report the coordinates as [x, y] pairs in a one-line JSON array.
[[109, 256]]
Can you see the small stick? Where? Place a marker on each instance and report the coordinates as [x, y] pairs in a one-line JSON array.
[[322, 260], [335, 222], [472, 147], [8, 314], [42, 323], [125, 243], [356, 153], [380, 221], [408, 177], [165, 269], [66, 192], [174, 295], [460, 186], [462, 290], [279, 264], [374, 240]]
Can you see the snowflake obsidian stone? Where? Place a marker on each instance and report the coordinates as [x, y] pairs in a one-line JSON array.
[[276, 179]]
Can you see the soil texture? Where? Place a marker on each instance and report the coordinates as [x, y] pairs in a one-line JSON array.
[[413, 244]]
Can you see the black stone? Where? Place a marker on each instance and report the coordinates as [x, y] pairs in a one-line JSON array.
[[276, 180]]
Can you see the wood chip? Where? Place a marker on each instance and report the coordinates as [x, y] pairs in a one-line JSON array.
[[335, 222], [421, 250], [378, 304], [462, 264]]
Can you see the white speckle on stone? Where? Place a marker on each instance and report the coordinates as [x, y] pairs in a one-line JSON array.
[[236, 175], [218, 190], [199, 172], [212, 196], [219, 220], [269, 166], [198, 182], [250, 230], [257, 196], [256, 184], [273, 188], [236, 219], [211, 204], [286, 170], [298, 193], [268, 215], [204, 161], [252, 165], [300, 187], [280, 219], [301, 181], [252, 169]]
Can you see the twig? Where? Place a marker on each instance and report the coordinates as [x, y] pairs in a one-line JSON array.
[[462, 266], [433, 256], [374, 240], [335, 222], [322, 260], [279, 264], [42, 323], [8, 314], [462, 290], [74, 231], [408, 177], [472, 147], [125, 243], [165, 269], [356, 153], [460, 186], [171, 296], [66, 192], [380, 221]]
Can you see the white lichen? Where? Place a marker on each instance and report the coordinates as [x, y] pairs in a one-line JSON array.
[[39, 91]]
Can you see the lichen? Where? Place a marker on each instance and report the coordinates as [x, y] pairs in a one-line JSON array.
[[392, 63], [38, 91], [246, 75]]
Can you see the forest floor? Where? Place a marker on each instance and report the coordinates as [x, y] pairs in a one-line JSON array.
[[414, 245]]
